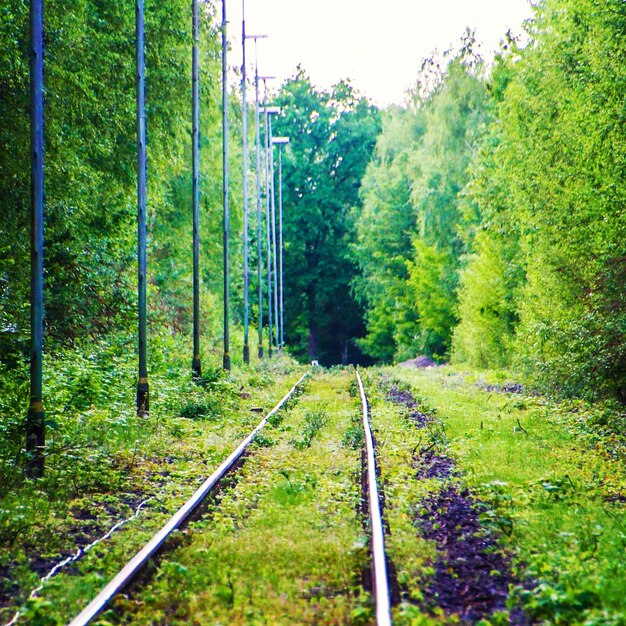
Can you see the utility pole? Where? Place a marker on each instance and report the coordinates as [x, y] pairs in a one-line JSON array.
[[195, 114], [35, 425], [244, 117], [280, 142], [143, 391], [259, 215], [266, 113], [274, 248], [226, 223], [281, 338]]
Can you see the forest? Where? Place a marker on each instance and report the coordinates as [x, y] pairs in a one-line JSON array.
[[491, 229], [480, 224]]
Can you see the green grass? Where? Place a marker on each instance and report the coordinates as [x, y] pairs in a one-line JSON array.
[[103, 460], [284, 544], [557, 496]]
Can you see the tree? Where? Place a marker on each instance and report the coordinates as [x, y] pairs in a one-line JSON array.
[[332, 138], [385, 228], [410, 233]]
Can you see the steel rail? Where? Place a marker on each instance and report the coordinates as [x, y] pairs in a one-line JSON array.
[[130, 570], [381, 580]]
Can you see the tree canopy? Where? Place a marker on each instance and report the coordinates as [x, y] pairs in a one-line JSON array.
[[332, 138]]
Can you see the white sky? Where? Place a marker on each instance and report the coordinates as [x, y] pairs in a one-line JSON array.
[[379, 45]]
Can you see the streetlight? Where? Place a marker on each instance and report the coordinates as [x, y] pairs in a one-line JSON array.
[[272, 244], [274, 255], [259, 215], [280, 142], [267, 111], [246, 270], [258, 205]]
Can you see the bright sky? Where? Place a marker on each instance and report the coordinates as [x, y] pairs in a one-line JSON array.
[[378, 44]]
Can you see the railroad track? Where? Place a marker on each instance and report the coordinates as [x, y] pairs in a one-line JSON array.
[[377, 541], [379, 560]]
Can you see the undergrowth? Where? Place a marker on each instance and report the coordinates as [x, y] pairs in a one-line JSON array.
[[553, 478], [101, 459]]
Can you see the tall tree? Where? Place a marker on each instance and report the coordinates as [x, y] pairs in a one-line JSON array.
[[385, 230], [332, 138], [410, 233], [562, 146]]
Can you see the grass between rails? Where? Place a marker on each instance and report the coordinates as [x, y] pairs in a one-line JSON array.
[[104, 460], [555, 480], [283, 545]]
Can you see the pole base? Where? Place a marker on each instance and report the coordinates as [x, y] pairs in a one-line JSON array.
[[35, 440], [196, 368], [143, 398], [246, 354], [226, 363]]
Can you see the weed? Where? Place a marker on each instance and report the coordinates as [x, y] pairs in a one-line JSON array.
[[353, 388], [260, 380], [354, 437], [264, 441], [198, 408], [556, 603], [558, 489], [210, 376], [314, 421]]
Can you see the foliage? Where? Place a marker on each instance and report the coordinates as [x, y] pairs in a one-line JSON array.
[[410, 242], [543, 289], [314, 421], [492, 226], [90, 230], [102, 459], [384, 230], [332, 137]]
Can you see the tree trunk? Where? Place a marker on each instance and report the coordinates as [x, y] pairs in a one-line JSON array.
[[312, 343]]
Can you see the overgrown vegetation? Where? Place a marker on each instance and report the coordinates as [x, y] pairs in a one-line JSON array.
[[492, 227], [281, 543], [482, 223], [103, 461], [552, 481]]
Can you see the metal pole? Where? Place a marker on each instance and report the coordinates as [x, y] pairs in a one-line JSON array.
[[246, 273], [281, 340], [274, 250], [226, 224], [195, 106], [268, 220], [259, 214], [280, 141], [143, 393], [35, 424]]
